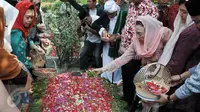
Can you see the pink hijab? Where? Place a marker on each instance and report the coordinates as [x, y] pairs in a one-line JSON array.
[[153, 34]]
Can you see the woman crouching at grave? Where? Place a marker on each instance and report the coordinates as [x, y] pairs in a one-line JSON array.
[[19, 34], [13, 73], [147, 45]]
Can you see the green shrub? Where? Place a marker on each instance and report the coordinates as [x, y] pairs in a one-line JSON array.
[[63, 23], [56, 5], [83, 1]]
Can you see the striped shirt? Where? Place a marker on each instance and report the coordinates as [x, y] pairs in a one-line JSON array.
[[191, 85]]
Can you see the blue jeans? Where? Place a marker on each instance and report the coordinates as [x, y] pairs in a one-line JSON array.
[[94, 49]]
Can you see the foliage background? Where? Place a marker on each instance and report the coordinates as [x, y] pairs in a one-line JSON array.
[[79, 1], [61, 19]]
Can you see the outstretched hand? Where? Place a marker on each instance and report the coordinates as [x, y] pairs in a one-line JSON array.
[[105, 36], [88, 20], [175, 80], [163, 99], [112, 38], [41, 27], [98, 71]]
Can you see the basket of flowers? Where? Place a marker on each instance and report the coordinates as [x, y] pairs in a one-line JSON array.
[[152, 81]]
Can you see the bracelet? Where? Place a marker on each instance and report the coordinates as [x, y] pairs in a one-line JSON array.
[[180, 77]]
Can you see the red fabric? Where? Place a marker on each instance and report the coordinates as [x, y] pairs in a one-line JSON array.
[[23, 7], [173, 11]]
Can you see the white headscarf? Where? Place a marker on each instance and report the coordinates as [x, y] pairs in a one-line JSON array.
[[110, 6], [178, 28], [10, 16]]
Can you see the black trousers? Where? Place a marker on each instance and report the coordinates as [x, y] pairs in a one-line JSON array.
[[128, 72], [88, 49]]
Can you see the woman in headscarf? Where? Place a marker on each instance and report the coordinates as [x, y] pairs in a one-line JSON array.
[[136, 8], [185, 55], [183, 20], [11, 69], [19, 34], [142, 46], [147, 44]]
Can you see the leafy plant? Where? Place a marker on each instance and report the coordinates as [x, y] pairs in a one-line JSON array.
[[62, 20], [91, 74], [117, 104], [83, 1], [45, 6], [38, 92]]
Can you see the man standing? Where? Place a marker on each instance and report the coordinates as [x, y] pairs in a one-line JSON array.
[[116, 23], [92, 42]]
